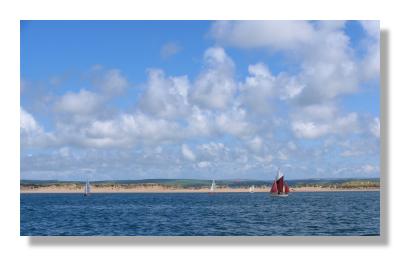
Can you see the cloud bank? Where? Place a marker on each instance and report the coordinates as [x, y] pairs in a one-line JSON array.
[[216, 124]]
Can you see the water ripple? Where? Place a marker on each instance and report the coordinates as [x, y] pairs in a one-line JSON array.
[[188, 214]]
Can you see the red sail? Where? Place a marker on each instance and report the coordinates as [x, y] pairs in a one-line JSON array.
[[274, 188], [280, 185], [286, 188]]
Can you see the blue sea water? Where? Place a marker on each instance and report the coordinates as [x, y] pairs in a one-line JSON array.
[[201, 214]]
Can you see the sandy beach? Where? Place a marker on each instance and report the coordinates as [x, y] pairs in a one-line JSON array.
[[162, 189]]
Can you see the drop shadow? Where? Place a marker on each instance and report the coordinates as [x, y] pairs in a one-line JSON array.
[[381, 240], [203, 241], [384, 136]]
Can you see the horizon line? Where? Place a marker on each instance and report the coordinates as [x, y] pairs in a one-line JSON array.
[[232, 179]]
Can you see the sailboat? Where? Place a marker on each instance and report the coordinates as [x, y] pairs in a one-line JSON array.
[[251, 189], [87, 189], [213, 187], [279, 187]]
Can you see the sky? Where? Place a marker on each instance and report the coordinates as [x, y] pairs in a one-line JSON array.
[[113, 100]]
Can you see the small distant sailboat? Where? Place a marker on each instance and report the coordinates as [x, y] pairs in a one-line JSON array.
[[87, 189], [213, 187], [251, 189], [279, 187]]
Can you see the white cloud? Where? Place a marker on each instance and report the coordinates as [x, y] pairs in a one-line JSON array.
[[200, 122], [150, 129], [359, 146], [289, 86], [371, 61], [316, 112], [340, 125], [213, 151], [331, 25], [313, 121], [28, 124], [282, 155], [110, 82], [264, 159], [114, 82], [328, 67], [32, 134], [216, 57], [309, 130], [64, 152], [350, 153], [121, 131], [368, 169], [254, 34], [234, 123], [204, 164], [375, 127], [215, 86], [146, 129], [347, 124], [107, 128], [165, 97], [188, 153], [82, 103], [258, 89], [371, 27], [256, 144], [169, 49]]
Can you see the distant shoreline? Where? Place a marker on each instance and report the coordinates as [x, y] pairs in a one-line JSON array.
[[159, 189], [195, 186]]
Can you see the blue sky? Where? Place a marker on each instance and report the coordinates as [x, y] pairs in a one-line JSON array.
[[199, 99]]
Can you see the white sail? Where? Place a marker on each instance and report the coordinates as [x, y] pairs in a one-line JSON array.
[[87, 188], [279, 175], [252, 189], [212, 188]]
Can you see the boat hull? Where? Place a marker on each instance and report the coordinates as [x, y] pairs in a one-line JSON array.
[[278, 195]]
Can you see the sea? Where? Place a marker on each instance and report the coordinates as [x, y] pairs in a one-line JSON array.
[[201, 214]]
